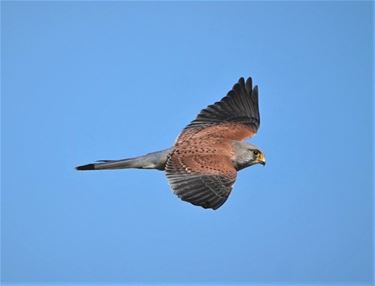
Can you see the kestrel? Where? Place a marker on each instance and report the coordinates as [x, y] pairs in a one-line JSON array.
[[202, 165]]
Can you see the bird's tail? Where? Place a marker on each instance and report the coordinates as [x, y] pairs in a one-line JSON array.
[[155, 160], [109, 164]]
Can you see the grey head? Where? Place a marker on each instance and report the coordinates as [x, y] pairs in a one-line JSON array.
[[246, 155]]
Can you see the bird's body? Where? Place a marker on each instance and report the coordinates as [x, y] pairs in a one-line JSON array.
[[202, 165]]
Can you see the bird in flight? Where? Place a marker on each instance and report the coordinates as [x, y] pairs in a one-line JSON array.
[[202, 165]]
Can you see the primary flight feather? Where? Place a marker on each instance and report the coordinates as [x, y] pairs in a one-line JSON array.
[[202, 165]]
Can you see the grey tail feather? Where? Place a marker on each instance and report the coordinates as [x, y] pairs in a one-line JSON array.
[[109, 164], [86, 167], [154, 160]]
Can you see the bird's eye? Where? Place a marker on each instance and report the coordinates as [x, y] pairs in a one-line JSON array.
[[256, 152]]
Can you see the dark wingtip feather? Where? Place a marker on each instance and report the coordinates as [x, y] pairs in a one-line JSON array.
[[241, 81], [86, 167], [249, 84]]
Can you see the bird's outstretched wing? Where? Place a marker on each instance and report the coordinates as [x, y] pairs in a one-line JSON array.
[[200, 168], [235, 117], [204, 181]]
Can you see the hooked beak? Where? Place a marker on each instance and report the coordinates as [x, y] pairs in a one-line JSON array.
[[261, 159]]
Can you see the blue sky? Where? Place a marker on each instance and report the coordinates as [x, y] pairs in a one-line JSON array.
[[83, 81]]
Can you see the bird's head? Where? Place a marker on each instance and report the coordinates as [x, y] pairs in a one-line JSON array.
[[247, 155]]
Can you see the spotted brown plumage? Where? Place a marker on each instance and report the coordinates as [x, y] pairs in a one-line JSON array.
[[203, 153], [202, 165]]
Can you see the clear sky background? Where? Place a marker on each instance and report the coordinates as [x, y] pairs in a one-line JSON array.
[[83, 81]]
